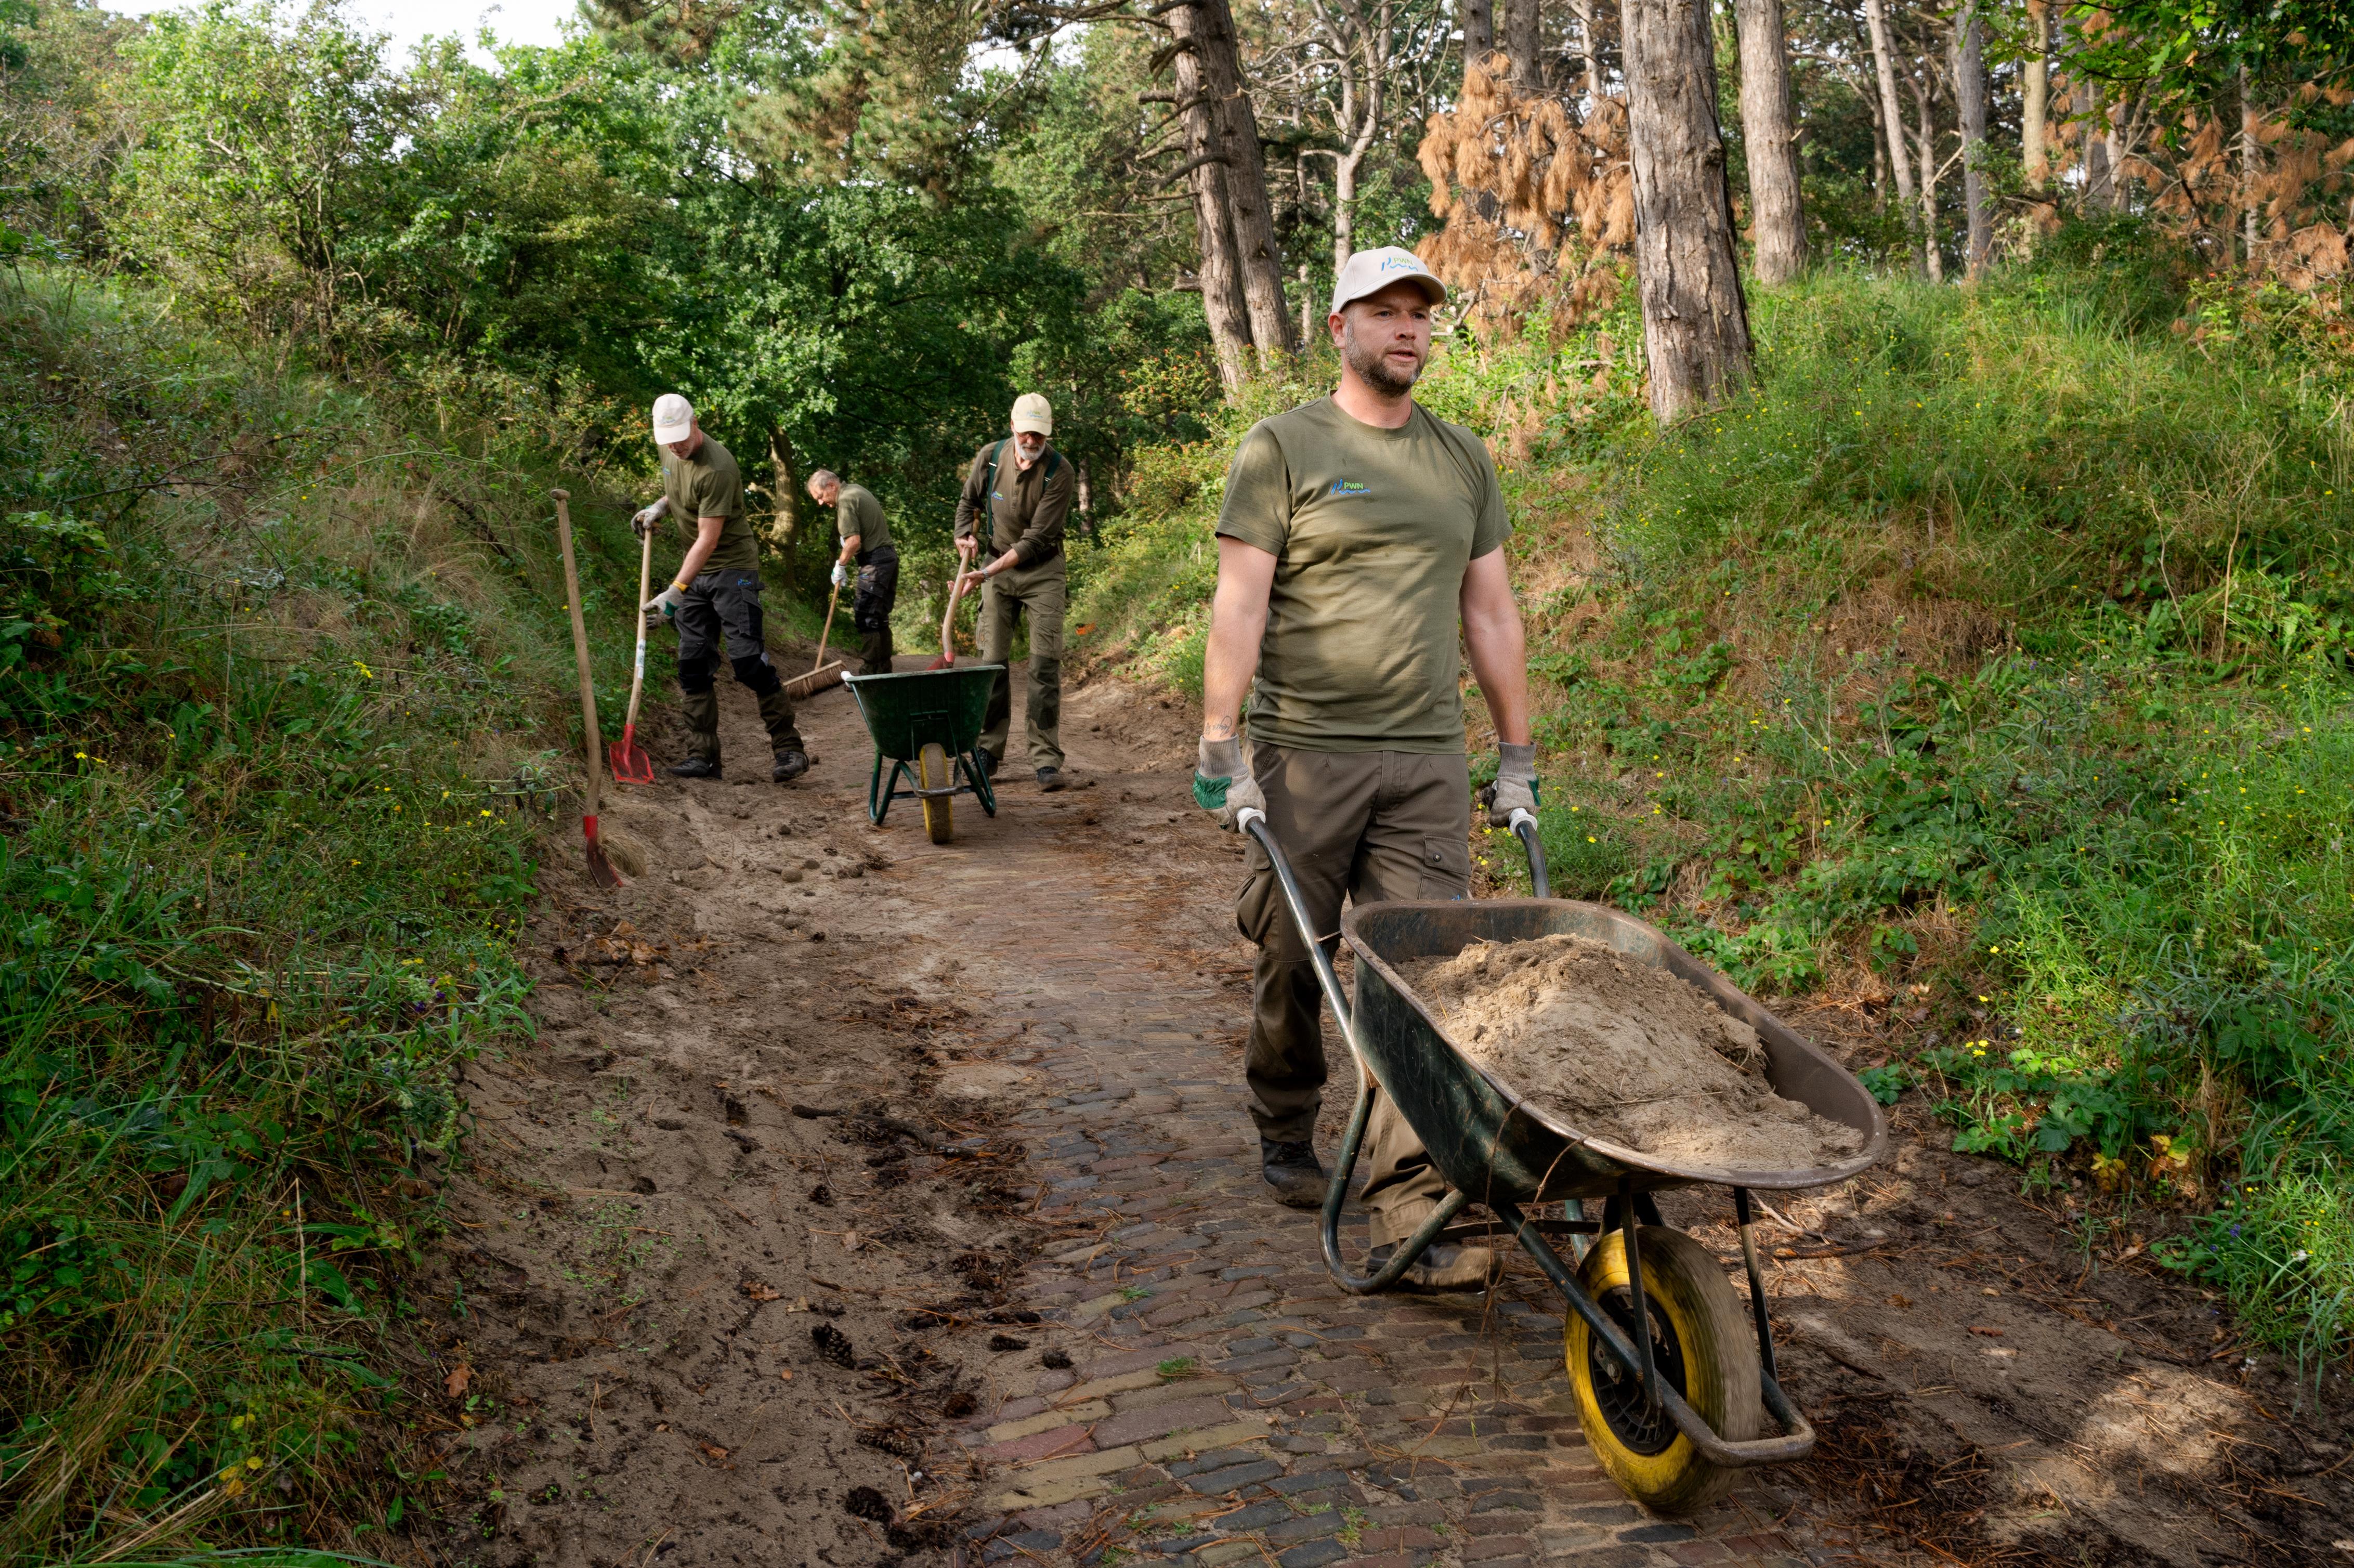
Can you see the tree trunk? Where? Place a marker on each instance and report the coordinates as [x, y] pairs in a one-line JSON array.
[[2100, 191], [2035, 96], [1590, 40], [1892, 110], [785, 525], [1209, 26], [1213, 228], [2247, 172], [1524, 42], [1478, 20], [1966, 48], [1765, 131], [1933, 255], [1695, 321]]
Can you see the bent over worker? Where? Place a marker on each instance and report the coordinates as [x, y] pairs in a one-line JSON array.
[[868, 564], [1356, 530], [1022, 487], [717, 590]]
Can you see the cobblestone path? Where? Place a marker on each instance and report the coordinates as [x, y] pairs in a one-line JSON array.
[[1224, 1402]]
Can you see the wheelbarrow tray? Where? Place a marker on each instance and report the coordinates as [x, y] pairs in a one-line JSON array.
[[906, 712], [1491, 1144]]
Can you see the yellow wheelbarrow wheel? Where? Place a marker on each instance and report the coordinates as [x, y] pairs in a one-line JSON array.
[[936, 770], [1705, 1349]]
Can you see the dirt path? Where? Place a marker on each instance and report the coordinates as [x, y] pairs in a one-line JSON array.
[[867, 1200]]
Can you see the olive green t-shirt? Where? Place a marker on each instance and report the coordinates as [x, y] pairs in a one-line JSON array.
[[1371, 530], [709, 484], [856, 511]]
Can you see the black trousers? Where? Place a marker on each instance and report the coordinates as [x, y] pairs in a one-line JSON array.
[[870, 609], [727, 603]]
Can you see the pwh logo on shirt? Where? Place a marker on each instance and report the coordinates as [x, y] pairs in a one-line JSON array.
[[1348, 487]]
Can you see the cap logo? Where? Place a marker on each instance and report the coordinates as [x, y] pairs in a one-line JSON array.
[[1400, 264]]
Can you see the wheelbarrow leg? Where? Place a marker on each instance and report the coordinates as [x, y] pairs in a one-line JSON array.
[[1756, 1279], [876, 803], [1406, 1254], [1336, 1193]]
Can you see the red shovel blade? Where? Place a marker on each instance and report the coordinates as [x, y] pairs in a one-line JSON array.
[[629, 761]]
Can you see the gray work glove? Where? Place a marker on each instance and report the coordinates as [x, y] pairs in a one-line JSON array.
[[643, 521], [1223, 786], [1515, 789], [841, 574], [663, 608]]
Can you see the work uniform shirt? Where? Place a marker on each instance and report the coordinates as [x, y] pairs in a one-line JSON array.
[[1025, 507], [858, 516], [1371, 530], [709, 484]]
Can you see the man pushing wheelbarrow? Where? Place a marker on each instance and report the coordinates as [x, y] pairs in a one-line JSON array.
[[1357, 531]]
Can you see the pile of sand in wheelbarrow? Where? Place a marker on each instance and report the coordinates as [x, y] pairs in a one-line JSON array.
[[1624, 1052]]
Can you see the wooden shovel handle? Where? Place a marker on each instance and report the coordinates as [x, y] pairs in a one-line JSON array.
[[645, 581], [830, 600], [580, 644], [947, 621]]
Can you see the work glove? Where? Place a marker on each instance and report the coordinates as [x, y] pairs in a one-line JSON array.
[[645, 518], [1222, 785], [841, 574], [1515, 789], [663, 608]]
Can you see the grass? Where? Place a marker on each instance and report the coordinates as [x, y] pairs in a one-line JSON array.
[[1984, 668], [282, 705]]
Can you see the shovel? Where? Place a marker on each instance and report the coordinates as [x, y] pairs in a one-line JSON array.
[[947, 661], [821, 674], [630, 763], [601, 870]]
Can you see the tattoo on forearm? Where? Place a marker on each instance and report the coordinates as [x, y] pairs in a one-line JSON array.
[[1218, 729]]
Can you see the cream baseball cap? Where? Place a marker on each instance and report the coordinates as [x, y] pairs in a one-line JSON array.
[[673, 418], [1371, 271], [1033, 412]]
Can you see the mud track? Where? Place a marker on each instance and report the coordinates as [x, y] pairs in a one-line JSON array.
[[867, 1201]]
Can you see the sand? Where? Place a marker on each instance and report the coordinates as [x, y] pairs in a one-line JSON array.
[[1624, 1052]]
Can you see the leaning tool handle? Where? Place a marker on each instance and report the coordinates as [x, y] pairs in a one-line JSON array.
[[638, 673], [588, 686]]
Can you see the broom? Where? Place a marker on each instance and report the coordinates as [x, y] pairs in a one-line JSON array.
[[630, 763], [821, 674], [601, 870]]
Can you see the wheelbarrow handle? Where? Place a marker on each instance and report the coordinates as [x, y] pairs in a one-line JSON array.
[[1524, 828]]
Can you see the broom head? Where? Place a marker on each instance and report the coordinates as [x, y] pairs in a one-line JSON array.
[[817, 680]]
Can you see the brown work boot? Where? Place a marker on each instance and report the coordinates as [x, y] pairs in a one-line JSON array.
[[1442, 1267], [1293, 1171]]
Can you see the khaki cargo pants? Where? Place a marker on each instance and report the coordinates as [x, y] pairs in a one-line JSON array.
[[1369, 827], [1035, 593]]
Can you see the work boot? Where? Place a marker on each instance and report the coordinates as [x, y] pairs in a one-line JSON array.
[[1049, 780], [988, 766], [791, 765], [694, 767], [1441, 1267], [1293, 1171]]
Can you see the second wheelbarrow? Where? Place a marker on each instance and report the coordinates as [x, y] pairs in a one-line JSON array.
[[1672, 1409], [927, 724]]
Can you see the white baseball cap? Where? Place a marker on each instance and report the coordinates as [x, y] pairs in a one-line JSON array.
[[673, 418], [1033, 412], [1371, 271]]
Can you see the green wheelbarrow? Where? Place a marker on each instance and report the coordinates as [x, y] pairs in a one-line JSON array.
[[927, 724]]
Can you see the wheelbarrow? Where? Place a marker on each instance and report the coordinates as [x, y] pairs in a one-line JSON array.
[[927, 724], [1674, 1410]]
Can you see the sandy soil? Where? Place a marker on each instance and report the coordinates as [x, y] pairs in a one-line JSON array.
[[742, 1239], [1624, 1052]]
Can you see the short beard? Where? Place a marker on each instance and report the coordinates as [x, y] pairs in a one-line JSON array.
[[1373, 368]]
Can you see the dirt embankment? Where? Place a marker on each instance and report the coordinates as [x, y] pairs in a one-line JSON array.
[[745, 1270]]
